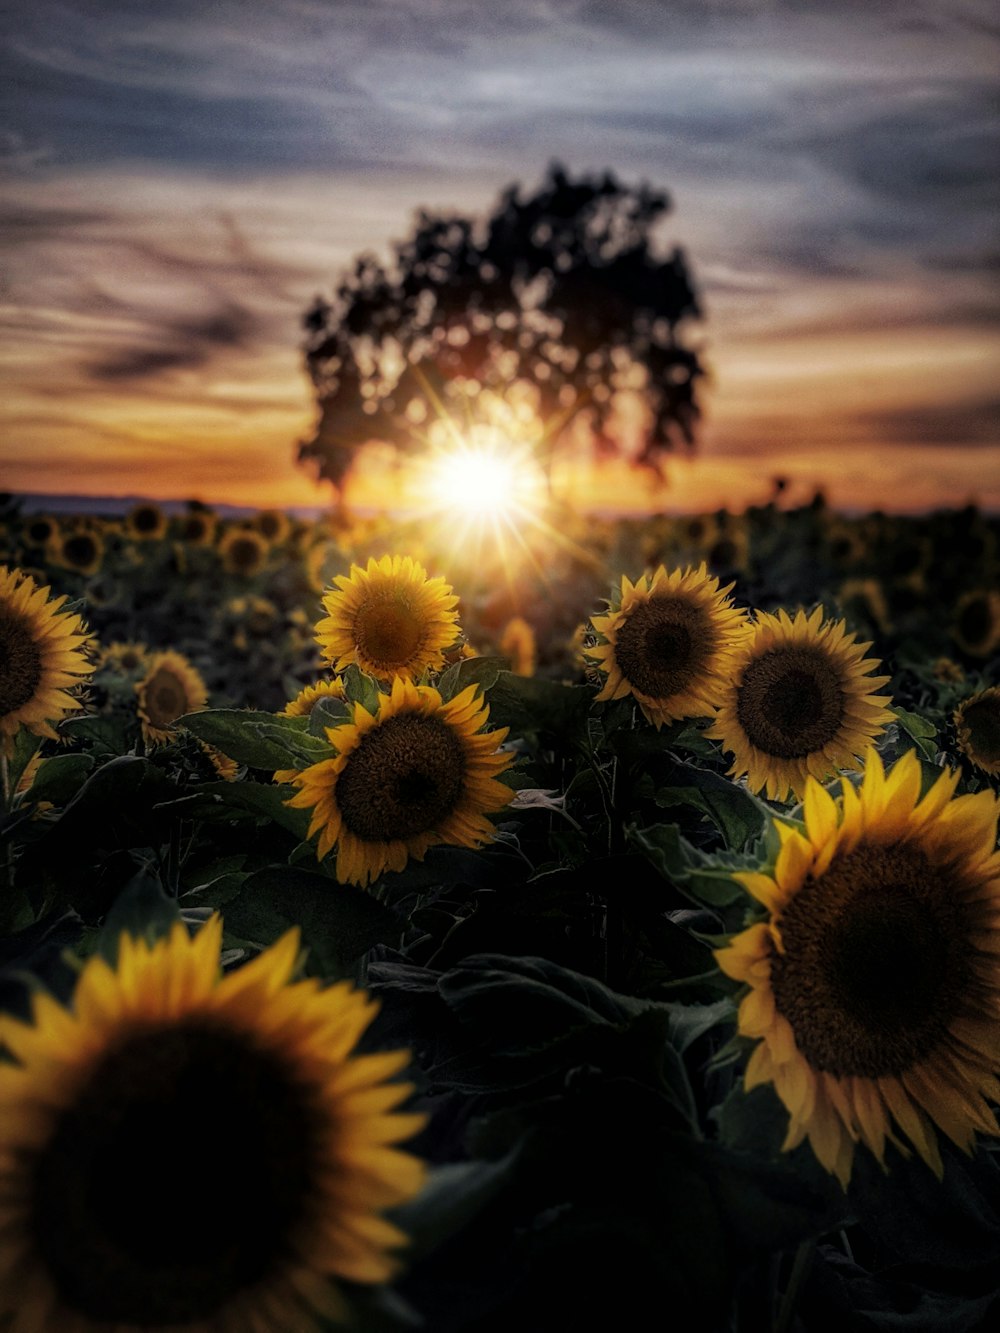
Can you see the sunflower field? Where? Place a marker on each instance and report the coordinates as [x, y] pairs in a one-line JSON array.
[[595, 929]]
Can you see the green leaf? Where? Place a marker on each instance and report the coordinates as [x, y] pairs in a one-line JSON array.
[[481, 671], [707, 879], [361, 689], [529, 706], [738, 816], [232, 800], [326, 712], [60, 777], [142, 909], [259, 740], [26, 746], [103, 735], [452, 1198], [921, 732], [339, 922]]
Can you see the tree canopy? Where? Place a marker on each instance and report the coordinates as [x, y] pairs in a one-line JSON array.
[[561, 295]]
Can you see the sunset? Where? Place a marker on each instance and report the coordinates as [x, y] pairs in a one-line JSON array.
[[182, 180], [499, 667]]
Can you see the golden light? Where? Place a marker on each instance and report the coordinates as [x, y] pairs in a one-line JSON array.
[[483, 482]]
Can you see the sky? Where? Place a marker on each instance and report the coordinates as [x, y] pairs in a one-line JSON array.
[[179, 178]]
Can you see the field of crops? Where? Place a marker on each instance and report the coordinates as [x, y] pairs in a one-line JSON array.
[[416, 929]]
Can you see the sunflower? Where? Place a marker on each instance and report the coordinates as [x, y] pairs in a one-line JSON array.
[[273, 524], [40, 530], [977, 722], [125, 657], [170, 688], [41, 657], [81, 550], [517, 642], [188, 1151], [799, 700], [146, 523], [875, 981], [197, 527], [417, 772], [243, 552], [391, 619], [976, 629], [669, 643]]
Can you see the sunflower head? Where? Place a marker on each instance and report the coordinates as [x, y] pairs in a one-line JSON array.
[[243, 552], [184, 1150], [42, 657], [977, 722], [517, 642], [390, 618], [125, 657], [40, 530], [874, 983], [81, 550], [307, 698], [274, 525], [170, 688], [417, 772], [146, 522], [197, 528], [800, 700], [669, 643], [976, 628]]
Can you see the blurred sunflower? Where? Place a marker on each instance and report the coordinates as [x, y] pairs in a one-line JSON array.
[[875, 981], [41, 657], [799, 700], [226, 768], [125, 657], [517, 642], [864, 599], [947, 671], [274, 525], [391, 619], [669, 643], [845, 542], [81, 550], [315, 561], [146, 522], [243, 552], [197, 527], [40, 530], [977, 723], [170, 688], [188, 1151], [730, 550], [976, 628], [416, 773]]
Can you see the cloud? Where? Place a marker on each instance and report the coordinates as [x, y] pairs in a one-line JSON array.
[[178, 345]]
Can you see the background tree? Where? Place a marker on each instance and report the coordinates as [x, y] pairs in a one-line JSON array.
[[562, 294]]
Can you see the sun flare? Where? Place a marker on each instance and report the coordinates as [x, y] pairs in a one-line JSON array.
[[482, 481]]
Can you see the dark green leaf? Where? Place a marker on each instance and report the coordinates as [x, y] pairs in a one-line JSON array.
[[259, 740], [60, 777], [339, 922], [481, 671], [142, 909], [705, 878], [529, 705]]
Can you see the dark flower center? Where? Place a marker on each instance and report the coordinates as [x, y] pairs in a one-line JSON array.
[[405, 778], [39, 531], [178, 1176], [388, 631], [20, 663], [245, 553], [662, 644], [146, 520], [166, 699], [79, 550], [875, 965], [982, 718], [790, 702]]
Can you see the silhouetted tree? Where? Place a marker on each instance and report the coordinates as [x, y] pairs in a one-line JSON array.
[[562, 291]]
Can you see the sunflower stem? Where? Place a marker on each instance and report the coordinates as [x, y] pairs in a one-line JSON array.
[[5, 778], [800, 1271]]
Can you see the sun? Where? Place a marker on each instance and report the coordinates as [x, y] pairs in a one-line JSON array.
[[484, 480]]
